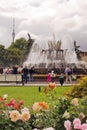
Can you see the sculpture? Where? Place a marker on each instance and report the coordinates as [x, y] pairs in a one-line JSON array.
[[77, 50]]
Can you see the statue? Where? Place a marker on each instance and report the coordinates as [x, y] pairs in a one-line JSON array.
[[59, 45], [77, 50], [29, 36], [29, 45]]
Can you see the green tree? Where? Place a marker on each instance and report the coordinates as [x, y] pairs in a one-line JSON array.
[[20, 44], [16, 53], [23, 45], [2, 54], [13, 57]]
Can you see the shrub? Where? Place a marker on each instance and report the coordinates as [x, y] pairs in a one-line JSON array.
[[78, 90]]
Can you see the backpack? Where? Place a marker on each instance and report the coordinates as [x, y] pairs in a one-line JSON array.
[[69, 72]]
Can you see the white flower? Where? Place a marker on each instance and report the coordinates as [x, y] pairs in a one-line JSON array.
[[74, 102], [25, 109], [5, 96], [66, 115]]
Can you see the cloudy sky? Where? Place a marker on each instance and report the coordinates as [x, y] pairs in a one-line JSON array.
[[42, 19]]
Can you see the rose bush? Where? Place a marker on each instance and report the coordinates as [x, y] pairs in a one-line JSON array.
[[13, 116], [58, 114]]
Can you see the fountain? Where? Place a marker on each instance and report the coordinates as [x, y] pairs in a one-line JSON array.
[[52, 54], [55, 55], [69, 50]]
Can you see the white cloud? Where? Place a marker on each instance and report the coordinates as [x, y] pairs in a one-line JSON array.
[[43, 18]]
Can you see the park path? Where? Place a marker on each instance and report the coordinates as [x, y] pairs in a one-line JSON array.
[[34, 84]]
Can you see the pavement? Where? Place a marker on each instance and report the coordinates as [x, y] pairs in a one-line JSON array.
[[34, 84]]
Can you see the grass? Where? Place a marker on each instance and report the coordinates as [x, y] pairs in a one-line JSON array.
[[29, 94]]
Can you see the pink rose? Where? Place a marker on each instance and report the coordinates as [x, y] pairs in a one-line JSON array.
[[84, 126], [67, 125], [77, 126], [77, 123]]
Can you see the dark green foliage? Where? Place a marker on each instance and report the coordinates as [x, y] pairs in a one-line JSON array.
[[20, 44], [2, 55], [16, 53], [13, 56]]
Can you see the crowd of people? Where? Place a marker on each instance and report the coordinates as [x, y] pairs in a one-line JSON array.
[[66, 76], [28, 73]]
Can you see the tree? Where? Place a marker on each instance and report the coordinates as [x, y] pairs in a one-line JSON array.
[[2, 54], [13, 57], [23, 45], [16, 53], [20, 44]]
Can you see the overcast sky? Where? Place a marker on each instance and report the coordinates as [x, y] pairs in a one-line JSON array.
[[42, 19]]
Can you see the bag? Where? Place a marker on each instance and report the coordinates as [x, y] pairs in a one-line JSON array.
[[69, 72]]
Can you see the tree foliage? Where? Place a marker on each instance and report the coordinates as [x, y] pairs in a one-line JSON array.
[[15, 53], [20, 44], [2, 54], [13, 56]]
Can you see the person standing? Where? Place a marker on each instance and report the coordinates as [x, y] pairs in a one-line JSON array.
[[25, 74], [61, 79], [15, 69], [32, 71], [52, 76], [1, 70], [68, 73], [48, 77]]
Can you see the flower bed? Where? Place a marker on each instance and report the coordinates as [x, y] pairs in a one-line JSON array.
[[58, 114]]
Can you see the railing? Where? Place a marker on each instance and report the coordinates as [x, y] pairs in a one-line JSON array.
[[18, 78], [11, 78]]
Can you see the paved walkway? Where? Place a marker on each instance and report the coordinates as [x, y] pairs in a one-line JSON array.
[[34, 84]]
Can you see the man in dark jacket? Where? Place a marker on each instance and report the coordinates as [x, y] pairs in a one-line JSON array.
[[31, 71], [25, 74]]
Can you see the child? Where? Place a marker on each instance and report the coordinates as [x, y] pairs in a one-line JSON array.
[[48, 77], [52, 76], [61, 79]]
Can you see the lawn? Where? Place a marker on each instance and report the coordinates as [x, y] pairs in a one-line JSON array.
[[30, 94]]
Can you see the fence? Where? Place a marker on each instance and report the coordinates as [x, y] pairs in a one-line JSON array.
[[10, 78]]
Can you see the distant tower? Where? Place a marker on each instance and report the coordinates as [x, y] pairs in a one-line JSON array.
[[13, 33]]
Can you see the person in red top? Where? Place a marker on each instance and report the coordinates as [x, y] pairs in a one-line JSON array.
[[48, 77]]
